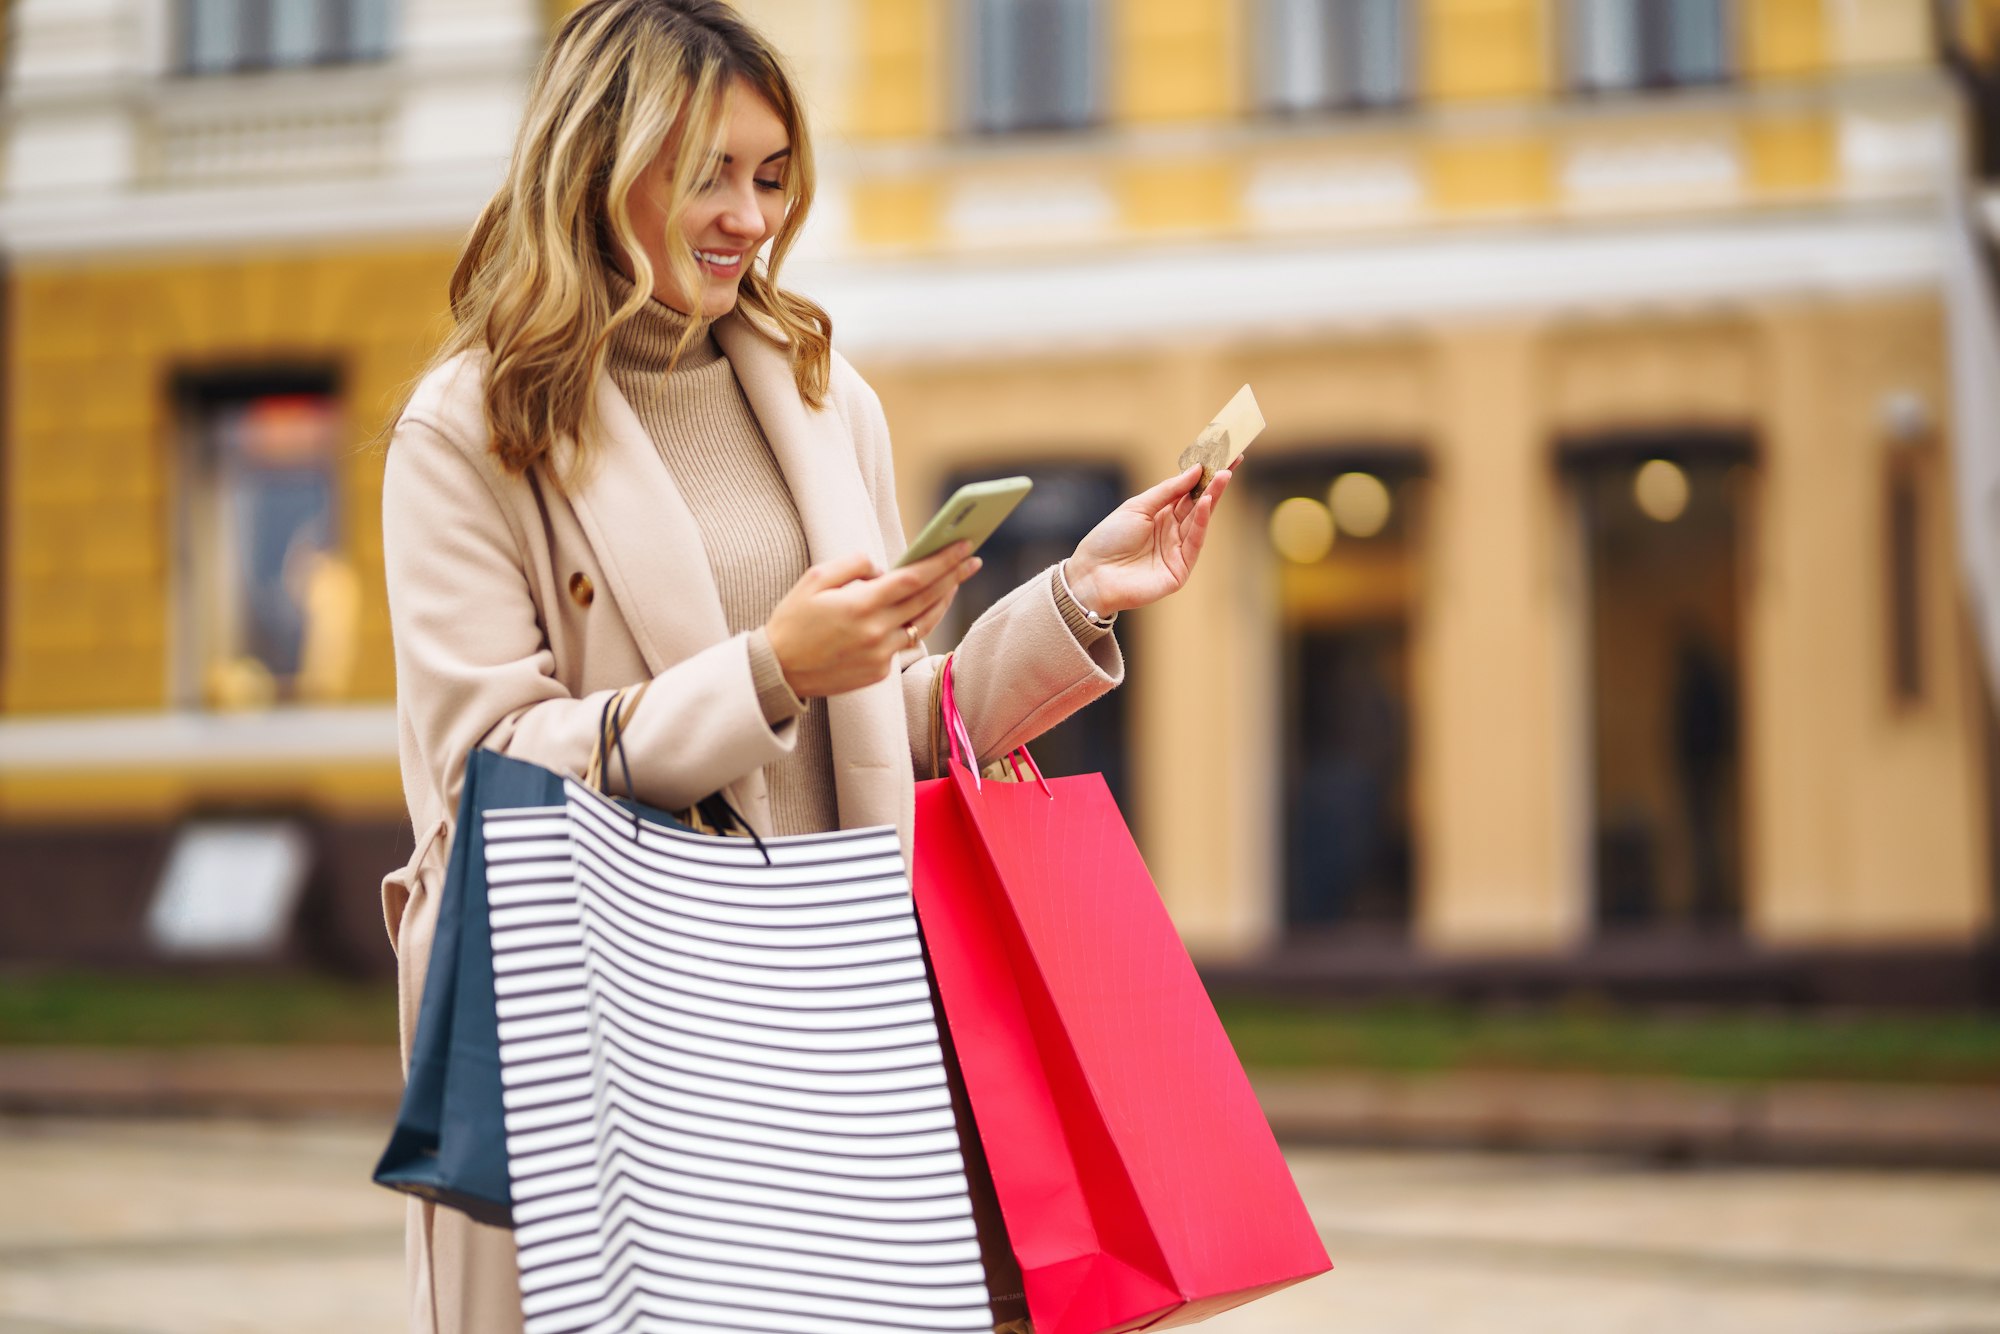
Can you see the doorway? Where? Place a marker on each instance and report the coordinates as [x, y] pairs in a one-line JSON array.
[[1663, 526], [1343, 531]]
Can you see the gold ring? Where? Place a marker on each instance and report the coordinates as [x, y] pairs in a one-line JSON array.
[[911, 631]]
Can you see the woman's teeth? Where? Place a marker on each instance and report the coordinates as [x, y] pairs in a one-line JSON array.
[[718, 261]]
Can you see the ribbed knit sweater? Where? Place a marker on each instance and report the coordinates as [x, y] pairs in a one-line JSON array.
[[710, 441]]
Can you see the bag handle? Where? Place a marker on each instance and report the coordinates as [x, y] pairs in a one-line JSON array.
[[611, 723], [707, 816], [960, 740]]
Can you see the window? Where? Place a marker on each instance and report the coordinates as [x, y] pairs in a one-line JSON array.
[[1068, 501], [1664, 521], [1345, 530], [1616, 45], [225, 36], [1035, 64], [1320, 54], [268, 605], [1904, 524]]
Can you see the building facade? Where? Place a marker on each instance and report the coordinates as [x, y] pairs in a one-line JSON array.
[[1590, 608]]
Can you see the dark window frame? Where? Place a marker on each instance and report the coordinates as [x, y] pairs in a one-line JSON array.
[[340, 40], [1074, 491], [1386, 913], [980, 116], [1653, 27], [1344, 99], [1904, 575], [1579, 462], [198, 394]]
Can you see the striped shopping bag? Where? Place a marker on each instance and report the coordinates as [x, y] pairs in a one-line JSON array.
[[726, 1104]]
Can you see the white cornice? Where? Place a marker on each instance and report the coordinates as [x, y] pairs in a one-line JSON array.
[[283, 737], [955, 309], [439, 203]]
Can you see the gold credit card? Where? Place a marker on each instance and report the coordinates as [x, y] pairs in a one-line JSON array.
[[1239, 422]]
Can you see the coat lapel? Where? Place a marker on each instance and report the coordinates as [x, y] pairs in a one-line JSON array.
[[815, 450], [645, 538]]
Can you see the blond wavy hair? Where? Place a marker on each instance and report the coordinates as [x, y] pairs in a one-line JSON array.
[[533, 286]]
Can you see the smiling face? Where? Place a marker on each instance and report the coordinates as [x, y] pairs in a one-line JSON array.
[[733, 211]]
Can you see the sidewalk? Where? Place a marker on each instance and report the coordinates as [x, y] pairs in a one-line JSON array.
[[1889, 1125], [212, 1225], [1849, 1124]]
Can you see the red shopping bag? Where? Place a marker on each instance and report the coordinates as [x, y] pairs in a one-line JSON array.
[[1138, 1178]]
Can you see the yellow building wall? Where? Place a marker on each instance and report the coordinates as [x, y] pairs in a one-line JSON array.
[[147, 795], [93, 458], [1883, 32], [1862, 818], [1499, 695], [1490, 174], [1871, 811], [1474, 49], [1791, 156], [1179, 196], [1175, 60], [1784, 39], [899, 70]]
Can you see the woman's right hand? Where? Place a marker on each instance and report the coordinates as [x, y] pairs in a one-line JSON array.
[[842, 624]]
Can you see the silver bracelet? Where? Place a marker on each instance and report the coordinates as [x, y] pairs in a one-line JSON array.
[[1099, 622]]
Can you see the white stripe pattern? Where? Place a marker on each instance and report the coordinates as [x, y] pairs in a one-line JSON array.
[[726, 1106]]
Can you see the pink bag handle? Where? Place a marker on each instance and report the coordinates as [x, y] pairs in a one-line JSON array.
[[961, 740]]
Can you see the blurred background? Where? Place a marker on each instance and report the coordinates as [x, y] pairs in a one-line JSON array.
[[1581, 735]]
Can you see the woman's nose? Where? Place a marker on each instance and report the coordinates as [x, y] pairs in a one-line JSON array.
[[743, 219]]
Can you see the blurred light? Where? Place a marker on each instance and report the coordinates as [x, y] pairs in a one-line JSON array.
[[1302, 530], [1361, 503], [1906, 417], [1661, 489]]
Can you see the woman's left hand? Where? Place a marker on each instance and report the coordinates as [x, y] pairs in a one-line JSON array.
[[1147, 547]]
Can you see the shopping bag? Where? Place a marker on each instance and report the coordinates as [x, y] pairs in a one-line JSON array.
[[700, 1077], [726, 1101], [448, 1144], [1138, 1177]]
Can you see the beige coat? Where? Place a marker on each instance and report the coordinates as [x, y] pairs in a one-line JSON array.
[[518, 605]]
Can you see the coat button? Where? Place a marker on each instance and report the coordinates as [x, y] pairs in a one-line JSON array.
[[580, 590]]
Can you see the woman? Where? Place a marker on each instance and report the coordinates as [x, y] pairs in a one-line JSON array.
[[638, 459]]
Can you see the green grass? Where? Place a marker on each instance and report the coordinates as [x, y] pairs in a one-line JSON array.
[[165, 1011], [1722, 1046], [159, 1011]]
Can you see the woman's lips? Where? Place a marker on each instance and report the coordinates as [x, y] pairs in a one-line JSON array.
[[721, 263]]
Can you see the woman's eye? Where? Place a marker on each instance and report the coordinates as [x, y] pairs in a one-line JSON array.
[[773, 186]]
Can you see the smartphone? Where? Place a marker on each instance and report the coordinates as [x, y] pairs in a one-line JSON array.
[[971, 515]]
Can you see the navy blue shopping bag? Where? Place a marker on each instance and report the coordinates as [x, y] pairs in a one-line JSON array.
[[450, 1140], [450, 1144]]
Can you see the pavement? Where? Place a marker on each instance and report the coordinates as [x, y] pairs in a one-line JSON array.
[[1855, 1124], [269, 1226]]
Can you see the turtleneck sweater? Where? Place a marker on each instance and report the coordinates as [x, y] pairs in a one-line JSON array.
[[709, 440]]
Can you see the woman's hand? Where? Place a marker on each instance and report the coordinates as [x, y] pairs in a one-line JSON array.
[[843, 623], [1147, 547]]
